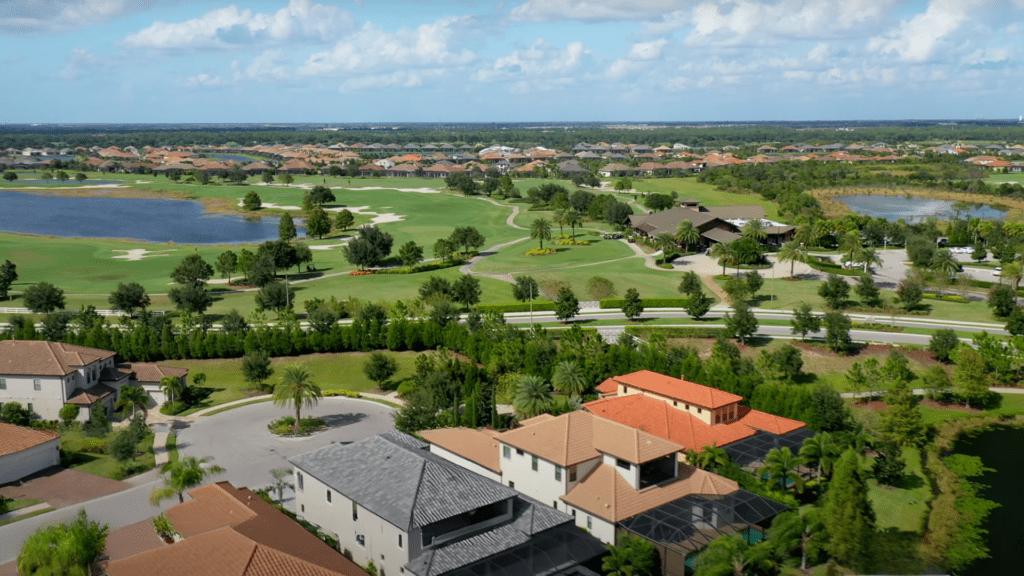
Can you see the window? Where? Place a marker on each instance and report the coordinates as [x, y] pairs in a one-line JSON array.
[[573, 512], [623, 464], [572, 473], [675, 404], [30, 410], [506, 451], [355, 511], [511, 484], [625, 389], [361, 540], [699, 410], [399, 540], [519, 452], [687, 406], [590, 523], [558, 473], [302, 507], [533, 463], [36, 385], [3, 384], [328, 496], [718, 418], [298, 475], [554, 504]]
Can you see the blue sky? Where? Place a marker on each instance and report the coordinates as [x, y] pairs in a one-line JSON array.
[[515, 60]]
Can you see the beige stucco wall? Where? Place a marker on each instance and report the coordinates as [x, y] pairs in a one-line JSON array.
[[541, 484], [599, 528], [46, 402], [703, 413], [14, 467]]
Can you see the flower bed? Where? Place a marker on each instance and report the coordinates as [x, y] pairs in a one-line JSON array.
[[945, 297], [361, 272], [346, 393], [540, 251], [286, 426], [571, 242]]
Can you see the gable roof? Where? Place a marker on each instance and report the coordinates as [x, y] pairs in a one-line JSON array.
[[606, 494], [477, 446], [668, 220], [149, 372], [230, 531], [580, 436], [422, 488], [678, 389], [17, 438], [40, 358]]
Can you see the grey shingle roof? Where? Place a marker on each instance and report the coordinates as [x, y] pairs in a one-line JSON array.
[[408, 486]]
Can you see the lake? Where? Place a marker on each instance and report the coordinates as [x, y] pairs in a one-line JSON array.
[[1002, 449], [913, 208], [148, 220]]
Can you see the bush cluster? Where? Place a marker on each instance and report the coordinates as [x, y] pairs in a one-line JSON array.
[[339, 392], [571, 242], [615, 303], [945, 297], [286, 426], [173, 408], [428, 267], [361, 272], [540, 252], [538, 306]]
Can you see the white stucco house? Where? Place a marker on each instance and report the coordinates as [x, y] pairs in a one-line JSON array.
[[25, 451], [45, 376]]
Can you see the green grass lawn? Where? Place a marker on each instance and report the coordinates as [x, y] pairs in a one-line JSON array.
[[25, 516], [101, 464], [19, 504], [330, 371], [706, 193], [513, 259], [905, 506]]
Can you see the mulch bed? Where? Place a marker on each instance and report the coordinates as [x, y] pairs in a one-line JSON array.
[[940, 406], [923, 356], [874, 405], [64, 487]]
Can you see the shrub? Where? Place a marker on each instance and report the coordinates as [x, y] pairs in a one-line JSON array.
[[286, 426], [612, 303], [93, 445], [361, 272], [173, 408], [345, 393], [944, 297], [538, 306], [540, 252], [69, 413], [405, 388], [645, 332], [428, 267]]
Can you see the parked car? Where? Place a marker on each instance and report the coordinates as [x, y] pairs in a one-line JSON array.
[[612, 236]]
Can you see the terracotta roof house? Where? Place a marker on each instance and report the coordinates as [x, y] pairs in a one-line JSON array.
[[25, 451], [44, 376], [396, 503], [296, 166], [608, 475], [695, 416], [615, 169], [228, 531]]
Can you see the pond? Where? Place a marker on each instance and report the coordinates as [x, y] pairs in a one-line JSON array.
[[148, 220], [913, 208], [1001, 449]]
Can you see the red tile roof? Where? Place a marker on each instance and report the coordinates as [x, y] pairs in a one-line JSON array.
[[152, 373], [477, 446], [16, 438], [677, 389], [39, 358]]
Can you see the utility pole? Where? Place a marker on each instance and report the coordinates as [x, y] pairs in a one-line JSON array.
[[531, 305]]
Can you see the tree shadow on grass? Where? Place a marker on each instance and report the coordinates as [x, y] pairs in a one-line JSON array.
[[72, 459], [909, 482]]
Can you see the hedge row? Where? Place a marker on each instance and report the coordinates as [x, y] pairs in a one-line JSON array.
[[538, 306], [945, 298], [834, 268], [616, 303], [428, 267], [678, 331], [347, 393]]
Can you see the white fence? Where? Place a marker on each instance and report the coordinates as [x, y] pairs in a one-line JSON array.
[[100, 312]]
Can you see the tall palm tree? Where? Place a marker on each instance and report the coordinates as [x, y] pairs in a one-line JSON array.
[[820, 452], [687, 233], [180, 476], [573, 218], [945, 263], [666, 243], [560, 218], [297, 388], [781, 465], [540, 229], [791, 530], [1013, 272], [568, 378], [532, 397], [733, 555], [793, 252], [132, 397], [723, 252], [172, 386], [870, 258], [850, 243], [754, 229]]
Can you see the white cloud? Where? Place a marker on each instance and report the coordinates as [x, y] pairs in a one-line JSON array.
[[205, 80], [79, 63], [397, 79], [648, 50], [801, 75], [270, 65], [47, 16], [985, 55], [752, 22], [552, 10], [230, 27], [819, 53], [917, 39], [677, 84], [540, 59], [372, 48]]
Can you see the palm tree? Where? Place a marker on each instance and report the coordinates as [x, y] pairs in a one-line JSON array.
[[180, 476], [723, 252], [792, 530], [666, 243], [540, 229], [172, 386], [713, 456], [532, 397], [281, 476], [945, 263], [781, 464], [870, 258], [574, 219], [132, 397], [687, 233], [754, 229], [1013, 272], [297, 389], [793, 252], [850, 243], [733, 555], [560, 218], [568, 378], [820, 452]]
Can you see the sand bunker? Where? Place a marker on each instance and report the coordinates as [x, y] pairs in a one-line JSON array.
[[417, 190], [140, 253], [327, 246], [378, 217]]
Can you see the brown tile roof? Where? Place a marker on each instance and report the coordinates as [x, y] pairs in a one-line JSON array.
[[606, 494], [109, 374], [477, 446], [89, 396], [253, 539], [149, 372], [678, 389], [580, 436], [39, 358], [16, 438]]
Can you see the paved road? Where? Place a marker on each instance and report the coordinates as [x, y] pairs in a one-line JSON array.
[[238, 440]]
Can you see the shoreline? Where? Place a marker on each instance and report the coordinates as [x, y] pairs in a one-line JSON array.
[[835, 209]]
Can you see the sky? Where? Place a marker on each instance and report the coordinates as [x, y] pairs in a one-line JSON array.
[[267, 61]]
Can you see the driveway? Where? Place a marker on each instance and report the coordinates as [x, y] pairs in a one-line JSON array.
[[240, 443], [63, 487]]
